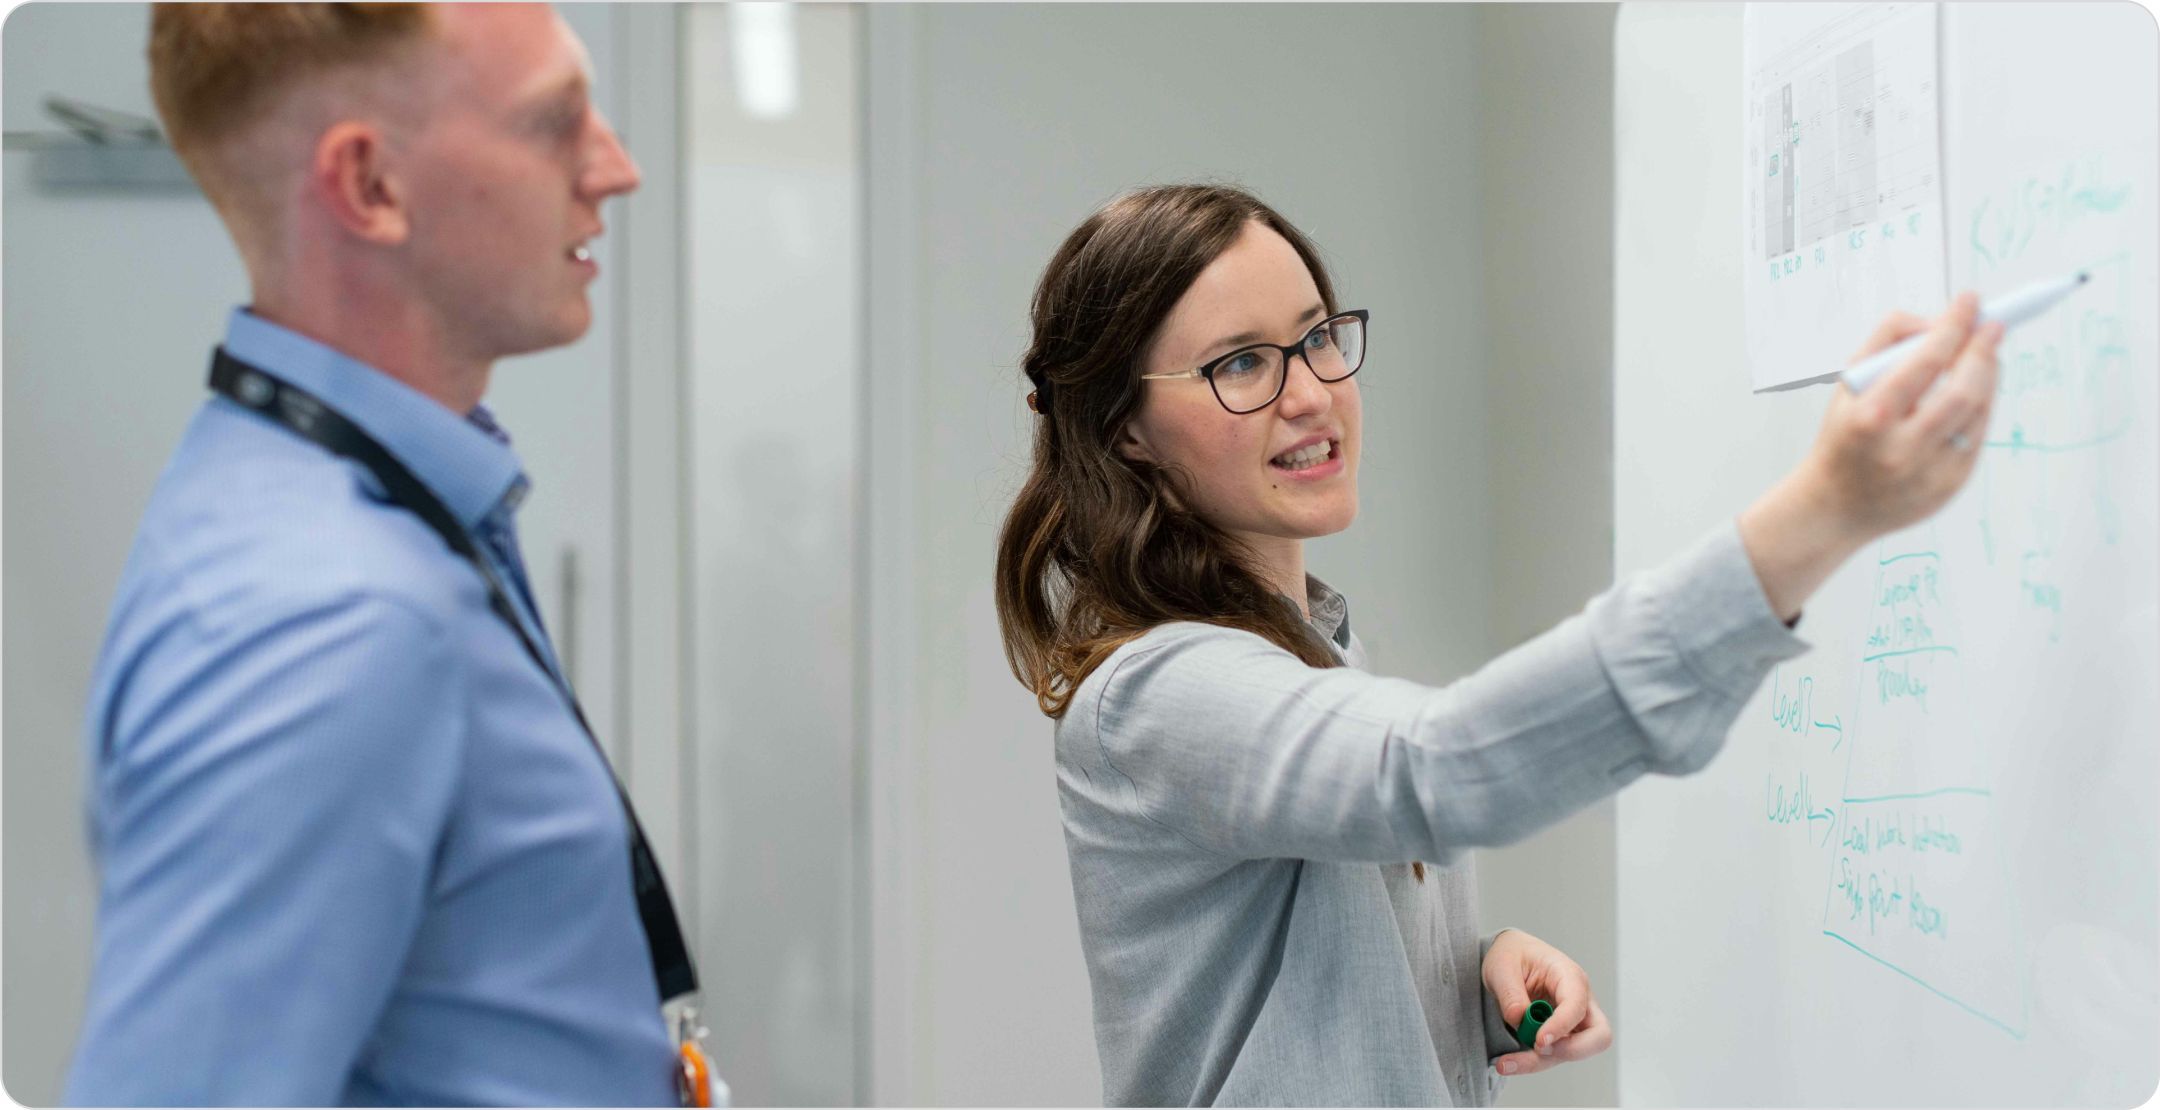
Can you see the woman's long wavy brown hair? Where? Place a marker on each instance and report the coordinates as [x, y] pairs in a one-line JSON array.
[[1097, 550]]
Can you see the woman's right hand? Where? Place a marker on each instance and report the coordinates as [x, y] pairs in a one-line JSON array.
[[1885, 459]]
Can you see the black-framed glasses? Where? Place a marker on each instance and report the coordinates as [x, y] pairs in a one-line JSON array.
[[1250, 378]]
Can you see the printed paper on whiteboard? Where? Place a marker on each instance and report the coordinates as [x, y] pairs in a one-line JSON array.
[[1843, 181]]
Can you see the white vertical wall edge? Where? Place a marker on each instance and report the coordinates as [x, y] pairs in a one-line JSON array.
[[651, 724], [888, 1055], [772, 342]]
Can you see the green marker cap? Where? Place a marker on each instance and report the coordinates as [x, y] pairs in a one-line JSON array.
[[1533, 1019]]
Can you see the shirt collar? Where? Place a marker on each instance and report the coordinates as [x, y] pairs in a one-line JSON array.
[[466, 461], [1330, 612]]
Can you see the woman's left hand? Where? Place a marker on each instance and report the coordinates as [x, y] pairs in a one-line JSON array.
[[1520, 967]]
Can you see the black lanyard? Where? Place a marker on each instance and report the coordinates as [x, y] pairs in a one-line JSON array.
[[303, 414]]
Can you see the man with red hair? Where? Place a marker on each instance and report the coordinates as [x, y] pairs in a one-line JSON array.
[[356, 844]]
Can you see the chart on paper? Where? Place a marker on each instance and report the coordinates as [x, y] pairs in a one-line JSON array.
[[1843, 180]]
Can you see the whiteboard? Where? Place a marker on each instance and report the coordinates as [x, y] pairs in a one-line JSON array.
[[1922, 872]]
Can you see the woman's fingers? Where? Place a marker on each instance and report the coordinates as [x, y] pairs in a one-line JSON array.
[[1593, 1036], [1513, 1000], [1519, 967], [1894, 453], [1571, 1004], [1897, 391], [1522, 1063], [1965, 394]]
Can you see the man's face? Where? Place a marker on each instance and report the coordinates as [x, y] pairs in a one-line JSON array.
[[505, 180]]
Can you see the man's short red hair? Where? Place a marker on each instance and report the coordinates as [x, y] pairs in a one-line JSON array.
[[217, 68]]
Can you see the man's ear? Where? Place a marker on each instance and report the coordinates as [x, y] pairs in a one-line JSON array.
[[351, 176]]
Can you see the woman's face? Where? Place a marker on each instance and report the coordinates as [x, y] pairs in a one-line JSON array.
[[1251, 475]]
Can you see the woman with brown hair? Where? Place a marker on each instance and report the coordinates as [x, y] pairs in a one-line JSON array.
[[1268, 844]]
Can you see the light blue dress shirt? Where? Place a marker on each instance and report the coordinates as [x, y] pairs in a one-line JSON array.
[[353, 846]]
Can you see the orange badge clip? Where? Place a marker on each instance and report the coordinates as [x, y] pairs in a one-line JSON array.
[[695, 1082]]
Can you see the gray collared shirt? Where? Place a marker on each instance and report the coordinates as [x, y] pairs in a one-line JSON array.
[[1240, 828]]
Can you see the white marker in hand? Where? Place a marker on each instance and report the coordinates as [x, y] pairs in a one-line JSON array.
[[2011, 309]]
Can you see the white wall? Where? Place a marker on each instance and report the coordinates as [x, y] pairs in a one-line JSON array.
[[993, 131], [772, 238], [1546, 124]]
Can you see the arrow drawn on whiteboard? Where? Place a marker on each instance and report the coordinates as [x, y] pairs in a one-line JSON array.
[[1838, 728]]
